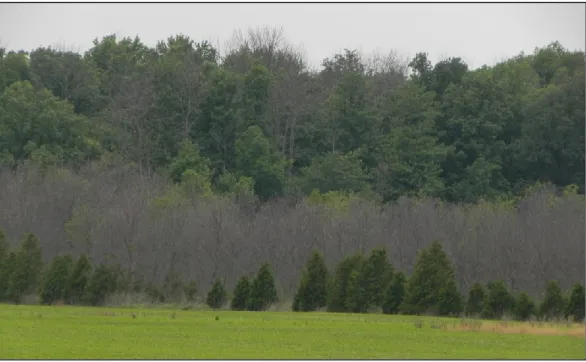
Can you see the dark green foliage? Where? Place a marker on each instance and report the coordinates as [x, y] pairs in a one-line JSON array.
[[575, 307], [4, 268], [342, 293], [103, 282], [154, 293], [7, 272], [524, 308], [53, 286], [499, 301], [312, 291], [375, 276], [553, 304], [217, 296], [241, 297], [395, 294], [263, 291], [27, 268], [78, 280], [172, 287], [475, 301], [432, 271], [190, 291], [449, 300]]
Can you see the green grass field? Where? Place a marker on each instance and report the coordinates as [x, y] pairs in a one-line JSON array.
[[30, 332]]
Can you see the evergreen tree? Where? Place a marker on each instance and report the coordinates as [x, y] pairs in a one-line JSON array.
[[432, 271], [7, 273], [27, 268], [312, 291], [241, 297], [4, 271], [395, 294], [498, 301], [263, 292], [78, 280], [553, 305], [217, 296], [53, 286], [475, 302], [525, 308], [375, 276], [449, 300], [102, 283], [339, 289], [575, 307], [190, 291]]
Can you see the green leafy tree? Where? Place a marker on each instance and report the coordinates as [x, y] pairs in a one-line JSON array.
[[241, 298], [53, 286], [553, 305], [475, 301], [7, 272], [263, 292], [37, 125], [312, 291], [432, 272], [524, 308], [255, 158], [395, 294], [575, 307], [217, 296]]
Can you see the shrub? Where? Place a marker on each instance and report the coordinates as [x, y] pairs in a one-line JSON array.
[[340, 284], [498, 301], [312, 291], [190, 291], [525, 308], [432, 271], [553, 305], [449, 300], [78, 280], [263, 291], [241, 297], [53, 286], [216, 297], [395, 294], [475, 302], [575, 307]]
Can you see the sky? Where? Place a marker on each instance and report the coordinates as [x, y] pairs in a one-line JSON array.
[[478, 33]]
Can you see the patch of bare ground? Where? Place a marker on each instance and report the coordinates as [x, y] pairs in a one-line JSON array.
[[539, 328]]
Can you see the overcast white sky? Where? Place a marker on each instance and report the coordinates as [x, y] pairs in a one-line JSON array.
[[479, 33]]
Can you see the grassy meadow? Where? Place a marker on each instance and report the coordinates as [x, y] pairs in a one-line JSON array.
[[38, 332]]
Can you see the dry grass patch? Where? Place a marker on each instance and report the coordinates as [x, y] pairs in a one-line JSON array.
[[550, 329]]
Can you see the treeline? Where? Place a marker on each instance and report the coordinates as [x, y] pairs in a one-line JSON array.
[[359, 284], [153, 230], [256, 121]]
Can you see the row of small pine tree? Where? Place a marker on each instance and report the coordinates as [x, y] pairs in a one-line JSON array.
[[361, 284]]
